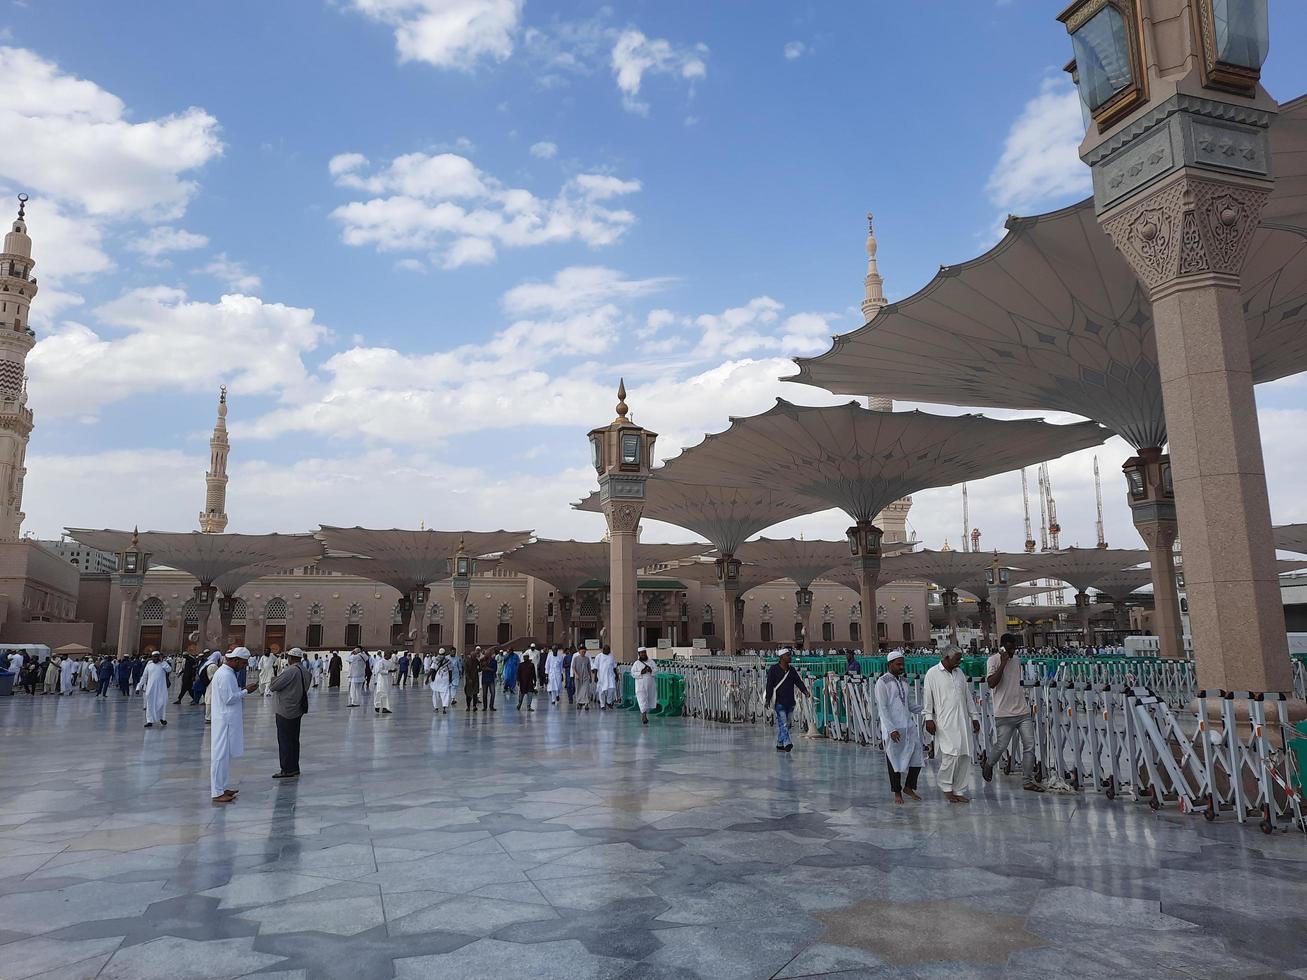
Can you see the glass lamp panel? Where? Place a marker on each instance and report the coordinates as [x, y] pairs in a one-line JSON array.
[[1102, 49], [631, 449], [1243, 37]]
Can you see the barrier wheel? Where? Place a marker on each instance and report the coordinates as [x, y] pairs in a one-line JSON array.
[[1154, 803]]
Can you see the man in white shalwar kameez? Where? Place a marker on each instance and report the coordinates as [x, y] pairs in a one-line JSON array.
[[554, 674], [67, 670], [605, 666], [384, 671], [358, 674], [898, 728], [947, 706], [267, 671], [646, 687], [227, 736], [154, 682], [441, 682]]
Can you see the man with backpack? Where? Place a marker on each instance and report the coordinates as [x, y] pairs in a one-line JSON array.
[[290, 689]]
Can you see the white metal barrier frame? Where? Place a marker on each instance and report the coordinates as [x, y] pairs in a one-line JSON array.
[[1121, 740]]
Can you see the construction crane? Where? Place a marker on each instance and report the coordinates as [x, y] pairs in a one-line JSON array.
[[966, 519], [1043, 511], [1054, 542], [1098, 500], [1025, 499]]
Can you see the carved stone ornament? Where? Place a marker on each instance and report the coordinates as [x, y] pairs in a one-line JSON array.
[[623, 518], [1158, 534], [1189, 226]]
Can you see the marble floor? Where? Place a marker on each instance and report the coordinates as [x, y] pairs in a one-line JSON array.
[[579, 846]]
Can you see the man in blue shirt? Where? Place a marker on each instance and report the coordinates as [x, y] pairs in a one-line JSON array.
[[782, 679], [851, 665]]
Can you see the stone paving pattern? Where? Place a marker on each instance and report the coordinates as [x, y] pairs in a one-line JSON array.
[[580, 846]]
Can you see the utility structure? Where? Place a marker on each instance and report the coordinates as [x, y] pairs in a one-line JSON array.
[[952, 571], [858, 460], [1054, 318], [966, 521]]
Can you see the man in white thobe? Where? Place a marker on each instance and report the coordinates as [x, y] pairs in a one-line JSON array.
[[267, 671], [605, 666], [384, 671], [227, 736], [358, 673], [439, 670], [154, 682], [554, 674], [16, 666], [947, 706], [67, 671], [898, 728], [646, 688]]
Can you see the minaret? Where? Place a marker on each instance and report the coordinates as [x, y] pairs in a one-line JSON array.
[[893, 520], [873, 301], [214, 518], [17, 287]]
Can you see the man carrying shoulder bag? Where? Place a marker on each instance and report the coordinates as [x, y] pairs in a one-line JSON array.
[[290, 688]]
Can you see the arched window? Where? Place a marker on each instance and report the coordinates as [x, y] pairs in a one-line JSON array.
[[505, 613], [765, 615], [152, 611], [589, 606], [471, 612], [397, 615], [435, 614], [276, 611], [826, 615], [239, 611], [707, 613], [354, 614], [856, 611], [190, 616], [315, 613]]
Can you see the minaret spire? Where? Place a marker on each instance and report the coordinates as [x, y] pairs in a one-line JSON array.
[[873, 287], [17, 287], [214, 518]]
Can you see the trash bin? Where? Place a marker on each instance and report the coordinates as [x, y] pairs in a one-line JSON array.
[[6, 683]]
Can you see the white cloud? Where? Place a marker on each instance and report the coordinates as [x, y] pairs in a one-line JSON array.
[[795, 49], [634, 55], [443, 203], [578, 287], [448, 33], [69, 138], [163, 238], [66, 248], [1040, 163], [544, 150], [234, 275], [167, 342]]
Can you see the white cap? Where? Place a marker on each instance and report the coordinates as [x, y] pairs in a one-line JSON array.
[[295, 652], [894, 655], [242, 652]]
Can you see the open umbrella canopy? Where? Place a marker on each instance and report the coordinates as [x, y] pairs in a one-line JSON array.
[[951, 569], [1054, 318], [408, 559], [207, 556], [72, 650], [1084, 568], [567, 565], [861, 460]]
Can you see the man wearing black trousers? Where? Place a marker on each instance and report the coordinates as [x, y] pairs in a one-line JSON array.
[[290, 689]]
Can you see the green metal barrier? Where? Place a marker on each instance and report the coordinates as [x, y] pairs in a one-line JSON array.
[[1298, 746], [671, 694]]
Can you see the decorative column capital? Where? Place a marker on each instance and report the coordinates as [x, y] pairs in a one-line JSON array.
[[623, 516], [1188, 230]]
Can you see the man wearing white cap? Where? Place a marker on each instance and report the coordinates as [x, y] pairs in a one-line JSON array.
[[898, 728], [291, 689], [227, 736], [947, 706]]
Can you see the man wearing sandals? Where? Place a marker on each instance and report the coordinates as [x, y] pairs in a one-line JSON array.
[[227, 736]]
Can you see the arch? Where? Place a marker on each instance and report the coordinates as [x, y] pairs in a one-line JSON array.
[[315, 613], [152, 611], [471, 613], [827, 615], [856, 611], [354, 614], [765, 615], [397, 614], [505, 613], [190, 616], [707, 612], [239, 611], [435, 613], [276, 610]]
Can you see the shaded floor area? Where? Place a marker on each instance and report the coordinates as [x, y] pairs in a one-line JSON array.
[[583, 845]]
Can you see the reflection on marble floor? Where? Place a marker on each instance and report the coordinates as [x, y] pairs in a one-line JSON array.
[[588, 846]]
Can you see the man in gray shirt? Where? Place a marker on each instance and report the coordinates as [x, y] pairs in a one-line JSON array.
[[290, 689]]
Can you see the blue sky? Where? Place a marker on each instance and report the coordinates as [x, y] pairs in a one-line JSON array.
[[421, 239]]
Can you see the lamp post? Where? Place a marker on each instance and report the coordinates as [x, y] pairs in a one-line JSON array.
[[204, 599], [566, 603], [226, 612], [1151, 495], [461, 569], [1177, 141], [803, 601], [999, 580], [728, 577], [949, 599], [864, 545], [622, 454], [132, 566], [418, 597]]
